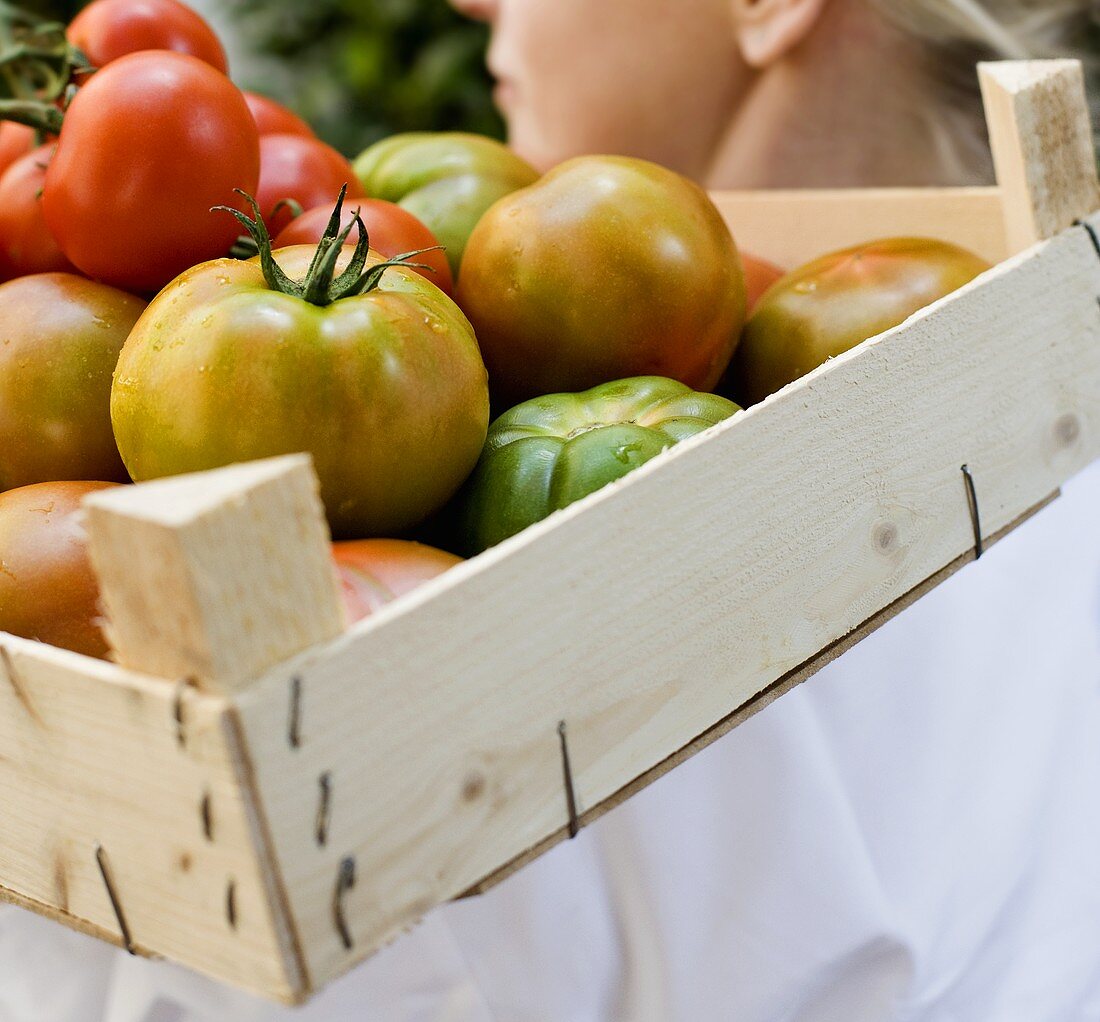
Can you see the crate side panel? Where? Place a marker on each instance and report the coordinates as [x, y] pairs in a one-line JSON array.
[[650, 611], [92, 756], [792, 227]]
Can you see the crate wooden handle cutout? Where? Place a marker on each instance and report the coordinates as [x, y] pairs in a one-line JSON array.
[[267, 799]]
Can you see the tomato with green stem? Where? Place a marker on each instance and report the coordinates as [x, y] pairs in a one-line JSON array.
[[391, 231], [146, 148], [361, 362]]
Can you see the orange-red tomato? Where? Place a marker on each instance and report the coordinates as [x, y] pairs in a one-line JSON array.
[[26, 244], [108, 29], [16, 140], [759, 276], [48, 590], [838, 301], [303, 169], [393, 231], [275, 119], [148, 146], [373, 572], [61, 340]]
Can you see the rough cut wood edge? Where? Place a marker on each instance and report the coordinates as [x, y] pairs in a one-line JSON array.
[[759, 702], [1040, 131], [235, 573], [90, 754], [471, 673], [791, 227]]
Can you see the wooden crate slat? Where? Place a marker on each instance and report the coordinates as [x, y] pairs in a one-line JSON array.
[[90, 755], [791, 227], [777, 534]]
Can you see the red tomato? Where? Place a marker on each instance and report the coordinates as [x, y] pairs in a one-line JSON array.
[[148, 146], [275, 119], [26, 244], [109, 29], [303, 169], [392, 230], [759, 276], [15, 140], [373, 572], [48, 590]]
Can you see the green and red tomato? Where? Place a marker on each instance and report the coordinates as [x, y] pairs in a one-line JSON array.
[[447, 180], [607, 267]]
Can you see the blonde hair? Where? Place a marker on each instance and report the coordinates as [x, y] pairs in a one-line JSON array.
[[958, 33]]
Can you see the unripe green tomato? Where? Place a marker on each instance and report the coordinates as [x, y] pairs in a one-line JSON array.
[[60, 337], [386, 389], [551, 451], [608, 267], [447, 180], [838, 301]]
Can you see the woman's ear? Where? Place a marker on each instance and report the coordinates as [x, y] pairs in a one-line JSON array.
[[769, 29]]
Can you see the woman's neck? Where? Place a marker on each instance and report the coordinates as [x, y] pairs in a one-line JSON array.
[[851, 107]]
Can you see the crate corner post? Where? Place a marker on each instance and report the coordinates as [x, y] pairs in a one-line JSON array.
[[1040, 132]]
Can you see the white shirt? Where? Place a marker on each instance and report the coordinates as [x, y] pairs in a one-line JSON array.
[[914, 834]]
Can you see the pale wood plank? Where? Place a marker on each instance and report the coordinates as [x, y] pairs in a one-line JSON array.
[[1041, 134], [791, 227], [93, 755], [234, 574], [668, 600]]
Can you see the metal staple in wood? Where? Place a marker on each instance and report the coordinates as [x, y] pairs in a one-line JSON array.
[[112, 897], [570, 793], [231, 903], [324, 808], [207, 813], [294, 717], [975, 515], [177, 710], [345, 881], [1093, 237]]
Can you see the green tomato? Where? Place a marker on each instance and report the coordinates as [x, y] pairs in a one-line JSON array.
[[447, 180], [551, 451], [386, 388]]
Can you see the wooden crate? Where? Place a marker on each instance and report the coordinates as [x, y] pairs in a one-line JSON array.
[[268, 800]]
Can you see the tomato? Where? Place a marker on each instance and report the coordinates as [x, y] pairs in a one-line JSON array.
[[374, 572], [446, 180], [16, 140], [834, 303], [108, 29], [303, 169], [275, 119], [608, 267], [61, 338], [26, 244], [147, 147], [759, 276], [385, 386], [551, 451], [393, 231], [48, 590]]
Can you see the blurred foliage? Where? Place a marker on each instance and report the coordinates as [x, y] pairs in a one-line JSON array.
[[359, 70], [61, 10]]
